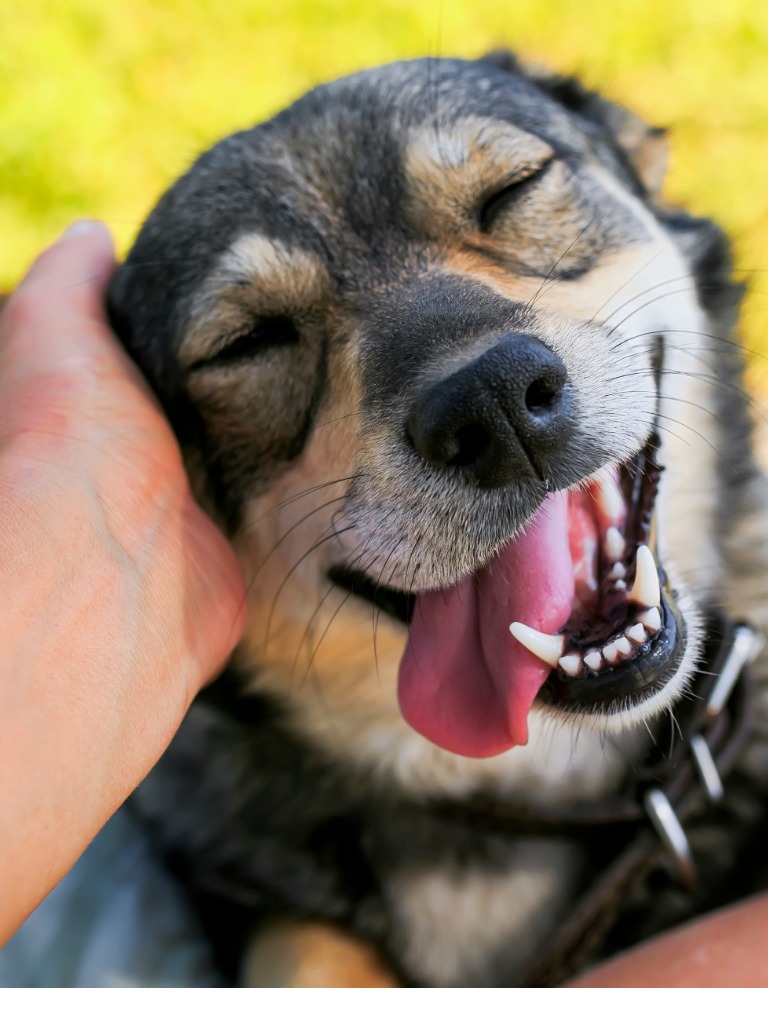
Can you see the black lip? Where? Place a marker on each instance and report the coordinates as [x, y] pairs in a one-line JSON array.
[[396, 603]]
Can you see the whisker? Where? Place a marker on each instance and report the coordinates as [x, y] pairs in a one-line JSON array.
[[332, 619], [308, 628], [284, 536], [621, 287], [337, 419], [322, 539], [731, 342], [376, 608], [249, 524], [529, 306], [647, 291]]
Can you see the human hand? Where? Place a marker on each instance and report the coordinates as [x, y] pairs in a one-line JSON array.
[[121, 598]]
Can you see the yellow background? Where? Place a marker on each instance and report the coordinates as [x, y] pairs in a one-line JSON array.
[[103, 103]]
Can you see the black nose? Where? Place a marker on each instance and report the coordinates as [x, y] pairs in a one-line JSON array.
[[503, 416]]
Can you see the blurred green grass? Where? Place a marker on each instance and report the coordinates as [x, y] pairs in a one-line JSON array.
[[102, 105]]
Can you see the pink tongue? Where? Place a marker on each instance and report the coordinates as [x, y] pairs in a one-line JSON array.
[[465, 682]]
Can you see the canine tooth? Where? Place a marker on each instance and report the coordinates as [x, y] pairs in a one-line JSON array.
[[637, 634], [615, 545], [645, 589], [611, 500], [571, 664], [618, 571], [651, 619], [619, 585], [546, 646], [611, 653], [623, 645], [593, 660]]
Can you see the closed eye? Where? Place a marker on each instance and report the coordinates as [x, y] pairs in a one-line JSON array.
[[498, 201], [267, 333]]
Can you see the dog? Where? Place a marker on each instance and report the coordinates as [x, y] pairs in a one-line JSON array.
[[463, 391]]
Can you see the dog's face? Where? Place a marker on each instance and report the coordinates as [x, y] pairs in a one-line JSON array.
[[426, 341]]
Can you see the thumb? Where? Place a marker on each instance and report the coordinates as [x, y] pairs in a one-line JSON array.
[[56, 319], [74, 271]]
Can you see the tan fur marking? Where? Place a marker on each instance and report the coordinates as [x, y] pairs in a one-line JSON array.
[[449, 168], [257, 275], [292, 955]]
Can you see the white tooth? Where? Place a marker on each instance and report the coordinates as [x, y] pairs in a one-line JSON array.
[[593, 660], [611, 500], [611, 653], [544, 645], [637, 634], [645, 589], [615, 545], [623, 645], [619, 585], [618, 571], [651, 619], [571, 664]]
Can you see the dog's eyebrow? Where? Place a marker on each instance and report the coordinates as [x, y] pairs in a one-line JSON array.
[[266, 262], [457, 162], [255, 276]]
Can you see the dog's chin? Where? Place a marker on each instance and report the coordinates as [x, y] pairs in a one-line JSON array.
[[574, 615]]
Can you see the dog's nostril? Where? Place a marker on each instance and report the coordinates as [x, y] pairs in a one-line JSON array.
[[472, 443], [542, 394]]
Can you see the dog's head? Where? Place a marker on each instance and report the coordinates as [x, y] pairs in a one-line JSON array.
[[427, 338]]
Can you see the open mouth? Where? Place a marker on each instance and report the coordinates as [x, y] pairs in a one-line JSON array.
[[573, 613], [623, 637]]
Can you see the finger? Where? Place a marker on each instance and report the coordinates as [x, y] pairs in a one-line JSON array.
[[74, 271], [56, 320]]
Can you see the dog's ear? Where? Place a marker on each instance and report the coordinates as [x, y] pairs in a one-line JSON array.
[[643, 147]]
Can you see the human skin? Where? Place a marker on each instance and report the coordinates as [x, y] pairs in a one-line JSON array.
[[723, 950], [120, 596]]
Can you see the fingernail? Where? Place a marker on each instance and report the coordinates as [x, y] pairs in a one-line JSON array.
[[83, 227]]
